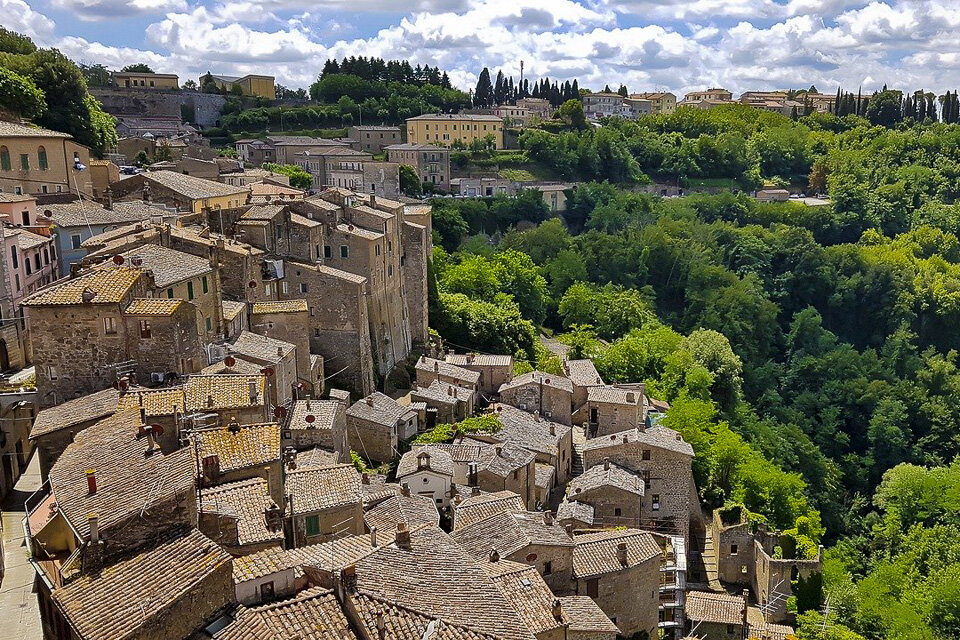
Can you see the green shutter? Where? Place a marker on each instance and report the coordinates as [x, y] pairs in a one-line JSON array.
[[313, 525]]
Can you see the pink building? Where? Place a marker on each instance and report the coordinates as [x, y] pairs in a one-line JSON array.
[[30, 254]]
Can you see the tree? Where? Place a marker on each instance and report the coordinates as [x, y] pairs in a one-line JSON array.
[[884, 108], [137, 68], [483, 94], [410, 183], [299, 178], [13, 42], [190, 85], [20, 96], [572, 113]]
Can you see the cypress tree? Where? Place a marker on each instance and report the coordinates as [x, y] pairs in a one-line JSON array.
[[836, 102]]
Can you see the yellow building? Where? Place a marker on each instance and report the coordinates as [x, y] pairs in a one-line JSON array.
[[37, 161], [250, 85], [660, 101], [134, 80], [444, 129]]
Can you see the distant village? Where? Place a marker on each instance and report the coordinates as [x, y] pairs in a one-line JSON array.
[[219, 378]]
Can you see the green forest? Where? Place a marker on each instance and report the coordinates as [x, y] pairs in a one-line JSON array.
[[809, 353]]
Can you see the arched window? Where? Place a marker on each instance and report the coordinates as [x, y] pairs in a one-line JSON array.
[[4, 159], [42, 158]]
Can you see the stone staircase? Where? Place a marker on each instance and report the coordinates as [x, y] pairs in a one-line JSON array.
[[579, 437], [710, 561]]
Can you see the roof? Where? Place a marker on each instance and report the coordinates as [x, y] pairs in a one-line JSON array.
[[313, 614], [231, 309], [611, 475], [413, 510], [544, 474], [213, 391], [539, 377], [260, 347], [14, 197], [461, 453], [114, 449], [760, 628], [524, 588], [240, 365], [376, 488], [262, 212], [477, 508], [26, 240], [108, 286], [192, 187], [583, 615], [14, 130], [246, 500], [479, 360], [438, 460], [268, 189], [153, 306], [657, 436], [249, 446], [443, 393], [457, 116], [720, 608], [615, 395], [322, 488], [505, 458], [73, 412], [242, 624], [582, 373], [574, 510], [117, 602], [280, 306], [529, 431], [596, 553], [324, 414], [437, 576], [409, 146], [169, 266], [378, 408], [405, 623], [510, 532], [439, 367]]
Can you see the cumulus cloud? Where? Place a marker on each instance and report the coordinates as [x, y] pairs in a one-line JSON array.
[[18, 16]]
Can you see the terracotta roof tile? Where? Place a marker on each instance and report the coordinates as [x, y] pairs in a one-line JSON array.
[[720, 608], [439, 461], [323, 488], [251, 445], [232, 309], [414, 510], [583, 615], [109, 286], [246, 500], [597, 477], [259, 347], [439, 367], [477, 508], [169, 266], [280, 306], [379, 409], [537, 378], [582, 373], [574, 510], [529, 431], [524, 588], [324, 414], [404, 623], [596, 553], [509, 533], [657, 436], [479, 360], [73, 412], [153, 306], [192, 187], [313, 614], [200, 392]]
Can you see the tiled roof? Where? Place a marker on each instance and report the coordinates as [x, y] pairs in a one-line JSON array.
[[109, 286], [479, 360], [614, 395], [169, 266], [259, 347], [443, 393], [14, 130], [509, 533], [574, 510], [303, 221], [436, 576], [240, 365], [259, 564], [413, 510], [245, 624], [504, 462], [109, 238], [524, 588], [26, 240], [246, 500], [477, 508], [124, 597], [720, 608], [153, 306], [262, 212], [657, 436], [324, 413], [13, 197], [460, 453], [73, 412], [438, 460], [313, 614], [268, 189], [404, 623], [317, 457], [280, 306], [545, 474], [340, 552], [192, 187], [582, 373], [251, 445], [227, 391], [598, 476], [596, 553], [323, 488], [583, 615], [457, 116], [529, 431], [379, 409], [439, 367], [377, 488], [81, 213], [763, 630], [538, 378], [359, 232], [114, 449], [231, 309]]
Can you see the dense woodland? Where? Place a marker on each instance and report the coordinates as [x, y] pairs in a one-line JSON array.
[[809, 353]]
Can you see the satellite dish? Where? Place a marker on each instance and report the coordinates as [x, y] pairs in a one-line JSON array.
[[118, 260], [280, 412], [310, 419], [267, 372], [230, 361], [136, 261], [252, 284]]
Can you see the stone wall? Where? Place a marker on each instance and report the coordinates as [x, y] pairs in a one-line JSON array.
[[560, 566], [292, 327], [612, 506], [417, 247], [334, 523], [166, 343], [552, 403], [630, 597], [371, 440], [206, 107], [739, 567], [774, 579]]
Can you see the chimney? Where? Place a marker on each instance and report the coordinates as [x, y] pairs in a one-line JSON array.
[[743, 612], [151, 441], [91, 481], [606, 464], [381, 627], [373, 537], [548, 518], [557, 610], [211, 467], [450, 390], [273, 518], [365, 478], [369, 400], [74, 269], [499, 450], [624, 438], [109, 194], [143, 415], [553, 429], [475, 491], [472, 477], [308, 404], [494, 555], [373, 201], [469, 358], [405, 489], [291, 457], [436, 366], [622, 553], [254, 390], [403, 536], [279, 352], [93, 520]]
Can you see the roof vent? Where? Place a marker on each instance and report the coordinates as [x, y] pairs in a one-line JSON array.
[[494, 555], [88, 295], [403, 536], [91, 481], [369, 400]]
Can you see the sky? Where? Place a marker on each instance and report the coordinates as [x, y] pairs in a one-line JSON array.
[[649, 45]]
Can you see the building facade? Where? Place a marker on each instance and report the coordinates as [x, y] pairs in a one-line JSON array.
[[445, 129]]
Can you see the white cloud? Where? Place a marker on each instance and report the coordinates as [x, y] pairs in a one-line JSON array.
[[117, 9], [19, 17]]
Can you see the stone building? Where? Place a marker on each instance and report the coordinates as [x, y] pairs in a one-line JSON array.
[[614, 493], [530, 596], [620, 570], [56, 427], [373, 139], [575, 514], [663, 460], [534, 539], [234, 452], [446, 128], [717, 616], [276, 356], [88, 330], [318, 423], [289, 320], [38, 161], [494, 370], [31, 261], [430, 370], [376, 424], [427, 471], [481, 506], [431, 162], [186, 193], [611, 409], [583, 375], [414, 510], [451, 403], [241, 516], [508, 467], [585, 620], [537, 392], [324, 503]]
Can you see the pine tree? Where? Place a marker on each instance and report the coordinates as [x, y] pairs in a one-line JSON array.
[[623, 90], [483, 94], [607, 89], [498, 90], [575, 89], [836, 102]]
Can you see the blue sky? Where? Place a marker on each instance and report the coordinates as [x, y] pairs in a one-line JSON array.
[[646, 44]]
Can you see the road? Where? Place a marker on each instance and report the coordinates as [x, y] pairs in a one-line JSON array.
[[19, 612]]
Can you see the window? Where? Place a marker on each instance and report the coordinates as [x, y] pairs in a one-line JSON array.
[[25, 161], [209, 324], [16, 280], [206, 288], [313, 525], [734, 549], [26, 263], [618, 512], [656, 502], [145, 329], [547, 568], [170, 292], [15, 257], [109, 325], [25, 216], [326, 251], [4, 159], [344, 251], [190, 290], [303, 287], [376, 250], [42, 158], [46, 256], [36, 261], [516, 474], [52, 373], [646, 454], [593, 587]]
